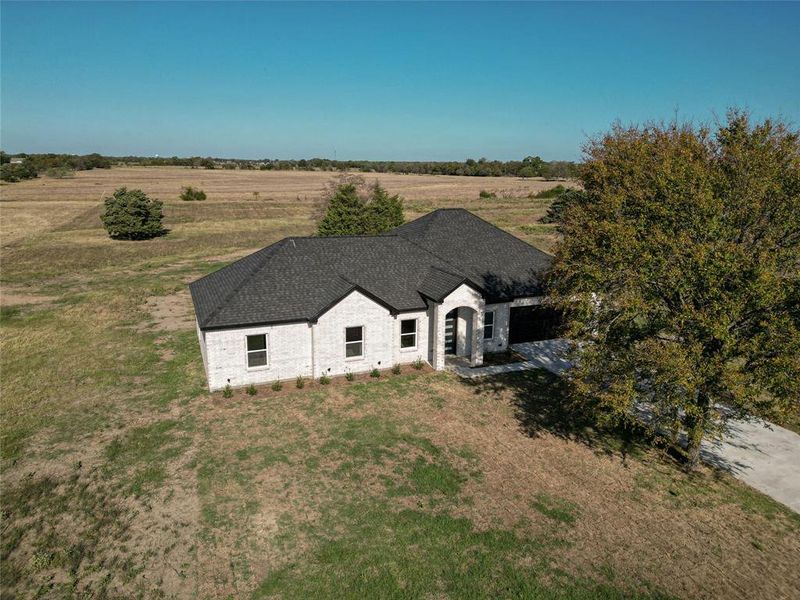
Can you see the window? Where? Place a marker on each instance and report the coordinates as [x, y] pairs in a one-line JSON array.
[[488, 325], [353, 342], [257, 350], [408, 333]]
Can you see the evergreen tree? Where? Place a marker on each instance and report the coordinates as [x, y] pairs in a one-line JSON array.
[[345, 213], [384, 212]]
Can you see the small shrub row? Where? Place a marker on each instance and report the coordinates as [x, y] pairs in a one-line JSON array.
[[300, 382]]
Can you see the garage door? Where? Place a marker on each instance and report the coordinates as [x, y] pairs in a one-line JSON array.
[[533, 323]]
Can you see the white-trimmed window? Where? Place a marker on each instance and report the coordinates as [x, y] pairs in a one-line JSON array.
[[408, 334], [488, 325], [354, 342], [257, 351]]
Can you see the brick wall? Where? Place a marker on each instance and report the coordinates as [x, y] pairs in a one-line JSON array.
[[499, 341], [288, 351]]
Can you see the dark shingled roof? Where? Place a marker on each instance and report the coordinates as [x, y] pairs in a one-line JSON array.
[[298, 279]]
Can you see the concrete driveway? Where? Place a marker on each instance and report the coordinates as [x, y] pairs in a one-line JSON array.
[[763, 455]]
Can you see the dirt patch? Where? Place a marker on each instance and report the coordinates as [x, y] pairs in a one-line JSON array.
[[171, 313]]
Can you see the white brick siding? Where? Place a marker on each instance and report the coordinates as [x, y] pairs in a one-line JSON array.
[[201, 336], [409, 355], [288, 353], [353, 310], [290, 346], [464, 296], [499, 341]]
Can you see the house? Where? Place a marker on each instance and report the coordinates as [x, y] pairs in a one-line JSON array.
[[448, 283]]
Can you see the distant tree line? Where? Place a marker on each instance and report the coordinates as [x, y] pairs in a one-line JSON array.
[[27, 166], [530, 166]]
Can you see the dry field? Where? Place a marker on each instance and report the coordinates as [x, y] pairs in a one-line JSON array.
[[267, 194], [122, 477]]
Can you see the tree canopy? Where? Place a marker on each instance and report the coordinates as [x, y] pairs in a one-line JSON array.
[[678, 274], [353, 209], [131, 215]]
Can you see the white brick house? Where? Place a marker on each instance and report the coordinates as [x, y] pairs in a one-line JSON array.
[[448, 283]]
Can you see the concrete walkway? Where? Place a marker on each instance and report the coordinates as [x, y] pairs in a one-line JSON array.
[[548, 354], [763, 455]]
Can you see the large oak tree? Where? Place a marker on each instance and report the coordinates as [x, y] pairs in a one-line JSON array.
[[678, 274]]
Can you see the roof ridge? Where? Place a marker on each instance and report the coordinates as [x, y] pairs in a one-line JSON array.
[[511, 235], [425, 220], [457, 273], [339, 237]]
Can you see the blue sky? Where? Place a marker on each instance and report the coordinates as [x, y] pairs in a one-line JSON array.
[[380, 81]]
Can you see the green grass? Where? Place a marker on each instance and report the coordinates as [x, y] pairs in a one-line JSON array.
[[429, 477], [7, 313], [385, 553], [143, 452], [557, 509]]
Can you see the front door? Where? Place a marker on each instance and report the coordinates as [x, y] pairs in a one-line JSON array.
[[450, 333]]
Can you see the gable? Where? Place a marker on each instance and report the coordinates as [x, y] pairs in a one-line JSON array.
[[355, 300]]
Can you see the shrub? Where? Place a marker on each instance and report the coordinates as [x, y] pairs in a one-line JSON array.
[[324, 380], [131, 215], [60, 172], [190, 194], [350, 376], [18, 171], [553, 192], [251, 390], [375, 373], [417, 364], [277, 386], [486, 194], [227, 392], [396, 369], [299, 383]]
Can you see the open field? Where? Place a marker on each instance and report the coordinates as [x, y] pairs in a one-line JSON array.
[[123, 477], [265, 194]]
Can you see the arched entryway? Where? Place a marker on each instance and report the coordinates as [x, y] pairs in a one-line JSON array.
[[457, 328]]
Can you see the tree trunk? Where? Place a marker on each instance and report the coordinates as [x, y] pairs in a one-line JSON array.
[[695, 430], [695, 437]]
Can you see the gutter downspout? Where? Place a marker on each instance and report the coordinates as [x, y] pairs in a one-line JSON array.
[[313, 374]]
